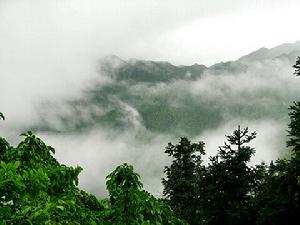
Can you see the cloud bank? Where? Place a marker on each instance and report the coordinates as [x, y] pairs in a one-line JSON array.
[[125, 121], [48, 77]]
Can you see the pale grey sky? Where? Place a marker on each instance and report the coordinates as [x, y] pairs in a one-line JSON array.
[[49, 47], [183, 32]]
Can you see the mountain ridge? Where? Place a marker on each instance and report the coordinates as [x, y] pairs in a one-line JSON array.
[[162, 97], [150, 71]]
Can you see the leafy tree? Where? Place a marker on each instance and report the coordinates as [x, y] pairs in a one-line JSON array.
[[36, 189], [130, 205], [180, 188]]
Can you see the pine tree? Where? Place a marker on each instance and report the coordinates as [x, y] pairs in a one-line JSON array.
[[229, 182], [180, 188], [2, 116], [279, 197], [294, 130], [297, 67]]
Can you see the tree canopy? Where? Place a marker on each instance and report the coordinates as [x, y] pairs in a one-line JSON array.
[[36, 189], [227, 190]]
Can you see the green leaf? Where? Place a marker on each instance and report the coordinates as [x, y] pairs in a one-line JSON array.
[[60, 207]]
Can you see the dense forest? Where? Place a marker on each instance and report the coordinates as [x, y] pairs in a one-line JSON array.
[[36, 189]]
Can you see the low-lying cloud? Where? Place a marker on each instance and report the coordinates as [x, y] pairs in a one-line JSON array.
[[49, 82], [257, 97]]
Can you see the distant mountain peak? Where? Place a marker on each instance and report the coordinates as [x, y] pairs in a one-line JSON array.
[[112, 59], [287, 49], [259, 54], [136, 70], [110, 63]]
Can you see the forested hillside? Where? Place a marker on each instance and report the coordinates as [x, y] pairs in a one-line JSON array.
[[36, 189], [177, 100]]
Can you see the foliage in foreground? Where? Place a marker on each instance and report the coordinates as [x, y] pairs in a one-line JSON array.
[[36, 189], [228, 191]]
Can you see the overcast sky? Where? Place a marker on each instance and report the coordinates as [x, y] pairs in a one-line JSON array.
[[49, 47], [183, 32]]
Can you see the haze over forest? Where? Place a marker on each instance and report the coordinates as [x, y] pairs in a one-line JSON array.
[[99, 109]]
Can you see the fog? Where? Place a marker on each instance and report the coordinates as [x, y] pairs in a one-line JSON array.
[[257, 98], [50, 51]]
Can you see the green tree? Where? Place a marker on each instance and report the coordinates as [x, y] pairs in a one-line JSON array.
[[277, 200], [294, 130], [229, 182], [279, 197], [180, 188], [36, 189], [130, 205]]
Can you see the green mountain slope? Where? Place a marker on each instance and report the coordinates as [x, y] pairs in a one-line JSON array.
[[180, 100]]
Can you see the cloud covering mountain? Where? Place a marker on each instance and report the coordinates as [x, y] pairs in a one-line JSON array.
[[133, 108], [162, 97]]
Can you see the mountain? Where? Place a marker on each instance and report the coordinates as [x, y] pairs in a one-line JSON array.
[[290, 50], [154, 71], [136, 107], [148, 71], [160, 97]]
